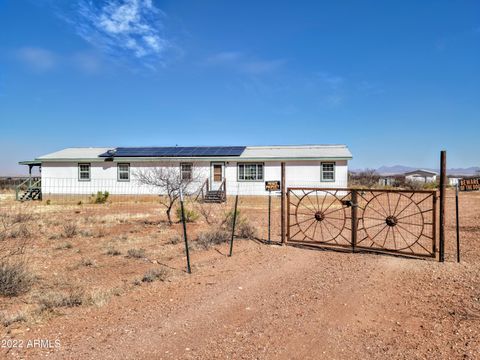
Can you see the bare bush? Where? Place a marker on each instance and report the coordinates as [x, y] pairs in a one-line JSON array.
[[368, 178], [72, 298], [7, 320], [70, 229], [14, 279], [155, 274], [64, 246], [136, 253], [14, 233], [113, 252], [206, 210], [87, 262], [209, 238], [168, 183], [175, 239], [245, 230]]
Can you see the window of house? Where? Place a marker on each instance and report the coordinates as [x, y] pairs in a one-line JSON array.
[[186, 171], [250, 172], [84, 172], [328, 171], [123, 172]]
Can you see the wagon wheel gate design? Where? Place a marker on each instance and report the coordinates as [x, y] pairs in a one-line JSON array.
[[397, 221]]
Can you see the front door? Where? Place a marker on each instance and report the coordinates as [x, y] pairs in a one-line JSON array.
[[217, 174]]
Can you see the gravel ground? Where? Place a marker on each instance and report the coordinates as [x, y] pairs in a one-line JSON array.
[[272, 302]]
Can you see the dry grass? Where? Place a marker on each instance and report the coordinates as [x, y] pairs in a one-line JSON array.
[[70, 230], [210, 238], [51, 300], [15, 279], [136, 253], [156, 274], [67, 273]]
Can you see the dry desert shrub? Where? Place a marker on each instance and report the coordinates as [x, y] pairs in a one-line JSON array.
[[15, 279], [175, 239], [87, 262], [64, 246], [245, 230], [7, 320], [156, 274], [71, 298], [210, 238], [136, 253], [99, 297], [113, 251], [190, 214], [70, 229]]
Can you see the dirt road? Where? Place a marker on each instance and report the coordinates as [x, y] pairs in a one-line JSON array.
[[272, 302]]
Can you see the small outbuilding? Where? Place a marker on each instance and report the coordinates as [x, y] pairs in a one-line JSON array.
[[421, 175]]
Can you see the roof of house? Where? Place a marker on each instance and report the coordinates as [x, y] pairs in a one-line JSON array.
[[421, 172], [284, 152]]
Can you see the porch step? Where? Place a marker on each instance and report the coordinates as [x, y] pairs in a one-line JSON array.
[[31, 194], [214, 197]]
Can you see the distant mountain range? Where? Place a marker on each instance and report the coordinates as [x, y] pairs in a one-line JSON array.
[[401, 169]]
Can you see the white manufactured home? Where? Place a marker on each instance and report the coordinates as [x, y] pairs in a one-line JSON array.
[[420, 175], [235, 169]]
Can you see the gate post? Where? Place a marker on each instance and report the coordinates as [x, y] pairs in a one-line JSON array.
[[443, 183], [354, 219], [282, 204]]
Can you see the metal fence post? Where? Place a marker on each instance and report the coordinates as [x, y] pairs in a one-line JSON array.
[[233, 225], [269, 214], [354, 219], [189, 270], [443, 173], [457, 223], [282, 204]]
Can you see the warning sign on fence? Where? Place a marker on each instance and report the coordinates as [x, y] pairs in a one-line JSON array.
[[471, 184], [272, 185]]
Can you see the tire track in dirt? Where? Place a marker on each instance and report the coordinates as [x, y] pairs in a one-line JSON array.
[[265, 302]]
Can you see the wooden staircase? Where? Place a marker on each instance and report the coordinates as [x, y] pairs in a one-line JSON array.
[[213, 196], [29, 190]]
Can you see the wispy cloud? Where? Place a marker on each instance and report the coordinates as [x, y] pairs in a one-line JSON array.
[[124, 29], [332, 88], [37, 59], [239, 61], [43, 60]]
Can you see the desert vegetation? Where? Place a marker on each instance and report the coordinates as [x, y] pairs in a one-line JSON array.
[[63, 255]]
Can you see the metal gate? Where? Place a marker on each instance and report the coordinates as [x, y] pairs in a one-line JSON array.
[[395, 221]]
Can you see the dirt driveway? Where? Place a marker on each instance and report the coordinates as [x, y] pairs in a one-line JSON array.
[[272, 302]]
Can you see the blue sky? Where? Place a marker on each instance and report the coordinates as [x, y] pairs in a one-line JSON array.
[[397, 81]]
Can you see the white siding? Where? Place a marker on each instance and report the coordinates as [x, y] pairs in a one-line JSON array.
[[62, 177]]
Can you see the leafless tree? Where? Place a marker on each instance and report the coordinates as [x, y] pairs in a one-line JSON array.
[[367, 177], [168, 182]]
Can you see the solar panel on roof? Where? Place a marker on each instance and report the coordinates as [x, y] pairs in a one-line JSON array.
[[177, 151]]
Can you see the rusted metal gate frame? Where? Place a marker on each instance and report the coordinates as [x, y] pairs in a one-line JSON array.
[[355, 219]]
